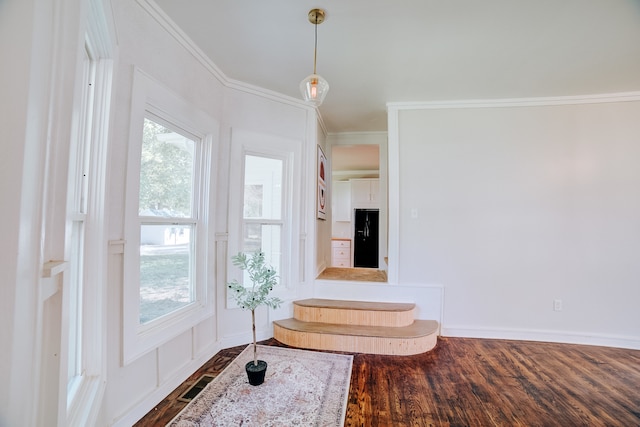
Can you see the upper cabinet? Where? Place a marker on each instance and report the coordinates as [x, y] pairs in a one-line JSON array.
[[365, 193], [341, 201]]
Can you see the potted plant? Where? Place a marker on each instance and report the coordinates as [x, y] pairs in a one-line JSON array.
[[263, 278]]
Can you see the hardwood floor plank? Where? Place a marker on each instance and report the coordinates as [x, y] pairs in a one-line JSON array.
[[476, 382]]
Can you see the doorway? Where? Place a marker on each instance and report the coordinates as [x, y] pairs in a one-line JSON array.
[[359, 184]]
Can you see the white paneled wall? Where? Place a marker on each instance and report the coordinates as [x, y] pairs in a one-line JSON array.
[[511, 207], [504, 210], [151, 44]]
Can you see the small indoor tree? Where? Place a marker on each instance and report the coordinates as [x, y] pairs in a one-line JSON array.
[[263, 279]]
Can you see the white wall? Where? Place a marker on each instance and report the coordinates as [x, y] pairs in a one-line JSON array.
[[142, 43], [148, 42], [517, 207], [520, 206], [37, 136], [20, 196], [323, 227], [36, 87], [276, 120]]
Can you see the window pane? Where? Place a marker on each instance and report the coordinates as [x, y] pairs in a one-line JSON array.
[[75, 301], [266, 238], [252, 237], [166, 273], [263, 187], [166, 172], [262, 209], [253, 197], [79, 169]]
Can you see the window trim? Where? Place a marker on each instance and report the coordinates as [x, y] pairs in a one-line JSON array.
[[283, 208], [243, 143], [83, 402], [150, 99], [79, 211]]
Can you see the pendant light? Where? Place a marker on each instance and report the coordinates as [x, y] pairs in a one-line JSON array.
[[314, 88]]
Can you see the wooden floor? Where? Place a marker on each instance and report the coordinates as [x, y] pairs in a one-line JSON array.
[[477, 382], [355, 274]]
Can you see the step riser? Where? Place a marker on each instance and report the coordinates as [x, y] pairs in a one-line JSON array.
[[353, 317], [357, 326], [356, 344]]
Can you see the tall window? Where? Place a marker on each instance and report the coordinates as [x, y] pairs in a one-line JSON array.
[[263, 208], [85, 285], [169, 252], [264, 203], [77, 215], [168, 220]]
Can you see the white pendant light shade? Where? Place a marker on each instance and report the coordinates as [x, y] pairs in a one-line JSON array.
[[314, 88]]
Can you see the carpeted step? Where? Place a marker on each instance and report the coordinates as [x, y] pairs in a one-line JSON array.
[[354, 312], [419, 337]]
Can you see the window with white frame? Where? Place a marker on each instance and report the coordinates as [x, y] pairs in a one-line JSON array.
[[167, 212], [265, 190], [84, 307], [263, 204], [168, 253], [79, 173]]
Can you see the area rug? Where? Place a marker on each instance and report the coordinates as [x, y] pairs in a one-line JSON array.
[[301, 388]]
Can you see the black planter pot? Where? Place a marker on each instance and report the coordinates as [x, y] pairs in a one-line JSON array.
[[255, 373]]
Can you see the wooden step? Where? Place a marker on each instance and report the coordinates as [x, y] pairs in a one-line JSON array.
[[354, 312], [419, 337]]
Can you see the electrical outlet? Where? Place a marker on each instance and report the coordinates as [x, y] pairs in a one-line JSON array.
[[557, 305]]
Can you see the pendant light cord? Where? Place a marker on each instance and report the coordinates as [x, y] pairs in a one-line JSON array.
[[315, 48]]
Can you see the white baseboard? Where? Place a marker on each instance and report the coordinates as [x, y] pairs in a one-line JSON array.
[[152, 399], [566, 337]]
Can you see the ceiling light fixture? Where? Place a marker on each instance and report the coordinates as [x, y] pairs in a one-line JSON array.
[[314, 88]]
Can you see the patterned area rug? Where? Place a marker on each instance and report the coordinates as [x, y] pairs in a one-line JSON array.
[[301, 388]]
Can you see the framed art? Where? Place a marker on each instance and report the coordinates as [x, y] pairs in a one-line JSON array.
[[321, 199]]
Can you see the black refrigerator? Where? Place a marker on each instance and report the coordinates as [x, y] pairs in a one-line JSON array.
[[365, 239]]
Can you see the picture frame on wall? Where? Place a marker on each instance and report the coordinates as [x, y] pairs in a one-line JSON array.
[[321, 199]]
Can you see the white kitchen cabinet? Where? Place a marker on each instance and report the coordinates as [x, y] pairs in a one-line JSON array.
[[341, 201], [365, 193], [341, 253]]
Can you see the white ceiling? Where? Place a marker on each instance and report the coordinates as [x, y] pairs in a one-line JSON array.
[[377, 51]]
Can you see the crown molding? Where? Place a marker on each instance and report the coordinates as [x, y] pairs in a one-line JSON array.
[[517, 102], [355, 134], [152, 8]]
